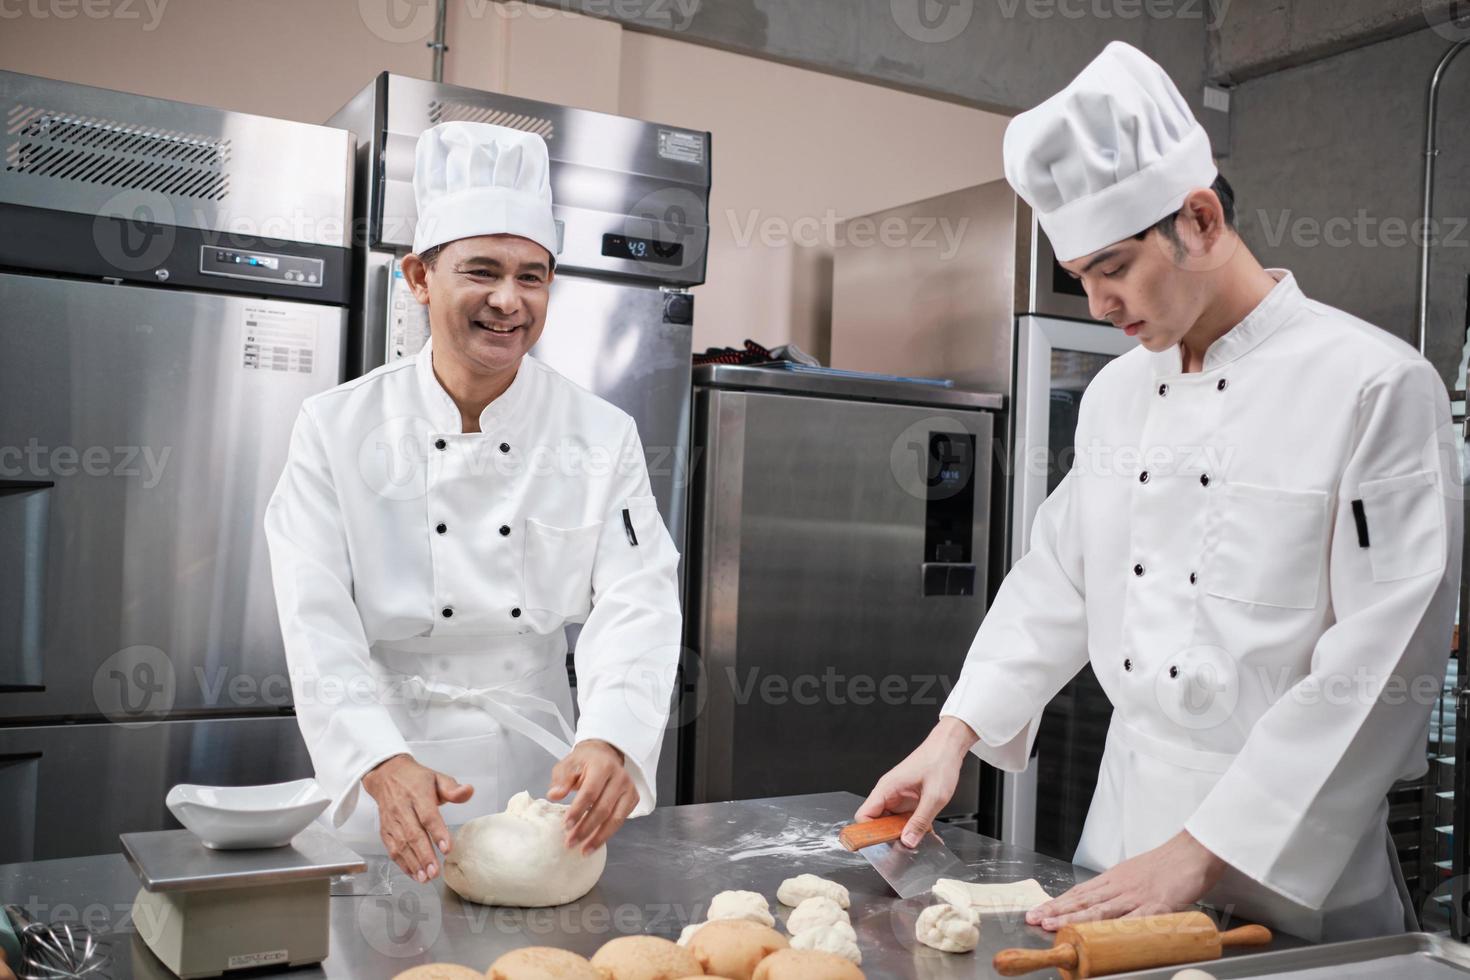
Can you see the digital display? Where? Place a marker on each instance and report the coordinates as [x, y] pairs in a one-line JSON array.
[[643, 249]]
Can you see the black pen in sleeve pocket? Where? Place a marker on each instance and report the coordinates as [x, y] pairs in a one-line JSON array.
[[628, 526]]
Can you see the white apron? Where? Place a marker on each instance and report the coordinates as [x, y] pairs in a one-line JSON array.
[[1148, 788], [492, 712]]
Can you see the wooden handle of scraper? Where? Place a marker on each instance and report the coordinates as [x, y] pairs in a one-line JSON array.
[[857, 836]]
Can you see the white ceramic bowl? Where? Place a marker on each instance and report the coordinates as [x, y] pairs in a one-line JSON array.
[[232, 817]]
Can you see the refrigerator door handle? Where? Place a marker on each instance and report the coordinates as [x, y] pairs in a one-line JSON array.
[[25, 507]]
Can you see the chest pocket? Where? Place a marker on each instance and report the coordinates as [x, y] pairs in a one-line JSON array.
[[558, 568], [1268, 545]]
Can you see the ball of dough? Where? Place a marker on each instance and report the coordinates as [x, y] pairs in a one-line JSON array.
[[1192, 974], [813, 914], [644, 958], [440, 971], [687, 933], [794, 891], [542, 963], [806, 964], [948, 929], [732, 947], [741, 905], [839, 939], [518, 858]]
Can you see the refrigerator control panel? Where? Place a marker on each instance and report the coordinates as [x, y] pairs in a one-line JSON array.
[[269, 266]]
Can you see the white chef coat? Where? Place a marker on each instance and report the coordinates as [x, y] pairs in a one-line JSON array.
[[424, 577], [1204, 552]]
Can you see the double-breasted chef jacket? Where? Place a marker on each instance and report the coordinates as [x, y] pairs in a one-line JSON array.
[[425, 577], [1260, 560]]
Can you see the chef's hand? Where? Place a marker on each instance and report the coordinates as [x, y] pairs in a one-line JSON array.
[[924, 782], [1170, 878], [605, 793], [5, 973], [408, 797]]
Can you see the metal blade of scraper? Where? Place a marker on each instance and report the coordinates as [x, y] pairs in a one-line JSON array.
[[909, 871]]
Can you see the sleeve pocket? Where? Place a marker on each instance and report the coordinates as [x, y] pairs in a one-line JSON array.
[[643, 527], [1406, 526]]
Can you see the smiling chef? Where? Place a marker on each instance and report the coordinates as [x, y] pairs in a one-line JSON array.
[[442, 519], [1257, 548]]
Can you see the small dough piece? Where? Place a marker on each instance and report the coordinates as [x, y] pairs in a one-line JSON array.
[[794, 891], [813, 914], [732, 948], [518, 858], [741, 905], [806, 964], [687, 933], [839, 939], [1017, 896], [542, 963], [1192, 974], [440, 971], [948, 929], [644, 958]]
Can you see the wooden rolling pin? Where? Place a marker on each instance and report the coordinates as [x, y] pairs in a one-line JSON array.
[[1099, 949]]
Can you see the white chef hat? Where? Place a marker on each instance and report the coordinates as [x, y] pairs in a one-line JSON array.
[[477, 179], [1110, 155]]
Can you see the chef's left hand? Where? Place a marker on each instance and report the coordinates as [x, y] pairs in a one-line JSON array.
[[605, 793], [1170, 878]]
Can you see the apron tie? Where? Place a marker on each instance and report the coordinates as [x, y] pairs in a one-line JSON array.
[[507, 706]]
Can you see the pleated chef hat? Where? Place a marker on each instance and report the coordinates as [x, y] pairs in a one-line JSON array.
[[1108, 156], [477, 179]]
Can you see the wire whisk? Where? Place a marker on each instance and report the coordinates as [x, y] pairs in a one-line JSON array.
[[58, 952]]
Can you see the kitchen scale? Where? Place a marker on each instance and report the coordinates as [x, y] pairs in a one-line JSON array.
[[204, 912]]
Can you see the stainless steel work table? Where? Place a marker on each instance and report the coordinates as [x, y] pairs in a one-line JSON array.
[[661, 872]]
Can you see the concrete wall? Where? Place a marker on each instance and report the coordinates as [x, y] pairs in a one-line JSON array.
[[1328, 159]]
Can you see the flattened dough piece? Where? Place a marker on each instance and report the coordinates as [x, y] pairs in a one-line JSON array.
[[751, 906], [1016, 896], [948, 928], [794, 891]]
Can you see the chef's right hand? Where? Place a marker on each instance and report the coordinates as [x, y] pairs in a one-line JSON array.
[[409, 796], [5, 973], [924, 782]]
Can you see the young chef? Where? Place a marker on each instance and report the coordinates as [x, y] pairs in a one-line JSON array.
[[442, 519], [1258, 550]]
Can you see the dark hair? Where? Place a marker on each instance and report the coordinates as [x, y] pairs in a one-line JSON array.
[[1165, 227], [430, 255]]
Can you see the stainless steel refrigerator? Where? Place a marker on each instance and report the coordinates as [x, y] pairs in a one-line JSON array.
[[632, 215], [839, 552], [172, 285]]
